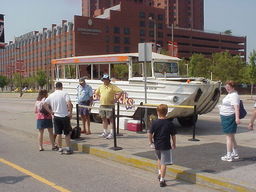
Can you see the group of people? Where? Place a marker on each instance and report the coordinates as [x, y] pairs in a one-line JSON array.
[[162, 132], [56, 109]]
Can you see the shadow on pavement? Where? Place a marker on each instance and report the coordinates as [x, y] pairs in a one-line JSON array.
[[206, 157], [12, 179]]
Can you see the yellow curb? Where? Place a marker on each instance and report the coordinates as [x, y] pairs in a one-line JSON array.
[[186, 174]]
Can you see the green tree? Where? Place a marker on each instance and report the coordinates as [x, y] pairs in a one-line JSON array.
[[227, 67], [3, 82], [228, 32], [29, 82], [120, 71], [183, 67], [252, 69], [199, 66], [17, 80], [41, 78]]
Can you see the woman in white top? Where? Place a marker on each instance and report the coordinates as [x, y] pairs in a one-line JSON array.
[[229, 114]]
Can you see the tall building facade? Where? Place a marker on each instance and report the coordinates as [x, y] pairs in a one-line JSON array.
[[33, 51], [180, 13], [116, 29]]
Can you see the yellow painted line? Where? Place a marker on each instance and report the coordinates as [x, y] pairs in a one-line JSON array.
[[37, 177]]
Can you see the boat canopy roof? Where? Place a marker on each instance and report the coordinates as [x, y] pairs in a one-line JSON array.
[[109, 58]]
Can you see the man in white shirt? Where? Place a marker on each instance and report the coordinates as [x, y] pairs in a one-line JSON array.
[[61, 108]]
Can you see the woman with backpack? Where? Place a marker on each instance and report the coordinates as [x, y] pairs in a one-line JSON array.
[[229, 114], [43, 120]]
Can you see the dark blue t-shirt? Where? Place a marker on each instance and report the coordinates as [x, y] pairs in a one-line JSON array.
[[162, 129]]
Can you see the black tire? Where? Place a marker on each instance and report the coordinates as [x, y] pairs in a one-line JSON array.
[[187, 121], [96, 118]]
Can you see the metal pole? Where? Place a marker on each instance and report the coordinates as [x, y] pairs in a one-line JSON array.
[[115, 148], [194, 126], [117, 120], [77, 115], [155, 34], [172, 41], [145, 89]]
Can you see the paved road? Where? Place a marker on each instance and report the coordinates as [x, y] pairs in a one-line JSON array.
[[77, 172]]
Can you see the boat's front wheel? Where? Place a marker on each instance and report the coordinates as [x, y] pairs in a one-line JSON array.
[[187, 121]]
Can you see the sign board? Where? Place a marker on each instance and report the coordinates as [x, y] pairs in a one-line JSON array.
[[145, 51]]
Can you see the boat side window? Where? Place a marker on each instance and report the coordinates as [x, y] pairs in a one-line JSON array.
[[162, 69], [70, 71], [137, 69], [119, 71]]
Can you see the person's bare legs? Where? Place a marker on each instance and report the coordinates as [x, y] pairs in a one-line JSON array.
[[67, 140], [229, 143], [88, 124], [105, 124], [50, 131], [83, 117], [40, 138], [59, 140]]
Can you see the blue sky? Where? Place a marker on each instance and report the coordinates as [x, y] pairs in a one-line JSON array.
[[23, 16]]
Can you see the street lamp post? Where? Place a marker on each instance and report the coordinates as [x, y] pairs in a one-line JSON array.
[[155, 32]]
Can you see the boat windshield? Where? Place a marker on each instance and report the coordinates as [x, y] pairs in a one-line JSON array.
[[163, 69]]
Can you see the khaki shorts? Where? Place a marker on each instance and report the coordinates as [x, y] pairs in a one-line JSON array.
[[106, 113]]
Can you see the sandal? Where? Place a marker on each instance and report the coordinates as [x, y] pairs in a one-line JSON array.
[[42, 149]]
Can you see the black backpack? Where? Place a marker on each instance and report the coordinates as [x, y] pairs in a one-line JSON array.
[[242, 111], [76, 133]]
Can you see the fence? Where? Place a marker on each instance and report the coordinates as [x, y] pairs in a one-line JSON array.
[[145, 106]]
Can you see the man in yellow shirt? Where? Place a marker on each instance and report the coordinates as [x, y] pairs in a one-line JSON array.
[[108, 94]]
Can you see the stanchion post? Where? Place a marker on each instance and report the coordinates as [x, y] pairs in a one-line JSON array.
[[77, 115], [194, 125], [115, 148], [117, 119]]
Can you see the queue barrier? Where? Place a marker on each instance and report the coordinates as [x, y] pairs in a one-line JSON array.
[[116, 128], [178, 106], [115, 147]]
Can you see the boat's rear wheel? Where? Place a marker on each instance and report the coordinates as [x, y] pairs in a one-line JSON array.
[[96, 118], [187, 121]]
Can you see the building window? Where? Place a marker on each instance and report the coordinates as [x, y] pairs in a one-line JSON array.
[[160, 34], [126, 49], [116, 30], [142, 24], [160, 25], [116, 39], [142, 32], [151, 33], [117, 49], [142, 15], [126, 40], [160, 17], [126, 30], [151, 24]]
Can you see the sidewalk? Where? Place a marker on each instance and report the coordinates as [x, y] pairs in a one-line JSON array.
[[196, 162]]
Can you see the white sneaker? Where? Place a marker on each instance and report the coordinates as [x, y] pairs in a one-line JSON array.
[[227, 158], [103, 134], [235, 156], [110, 136]]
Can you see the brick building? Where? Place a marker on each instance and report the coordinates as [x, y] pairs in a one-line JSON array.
[[117, 26]]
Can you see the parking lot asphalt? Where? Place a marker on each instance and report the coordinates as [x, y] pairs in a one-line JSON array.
[[194, 161]]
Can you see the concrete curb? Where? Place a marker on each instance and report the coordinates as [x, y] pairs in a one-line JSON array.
[[183, 173]]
